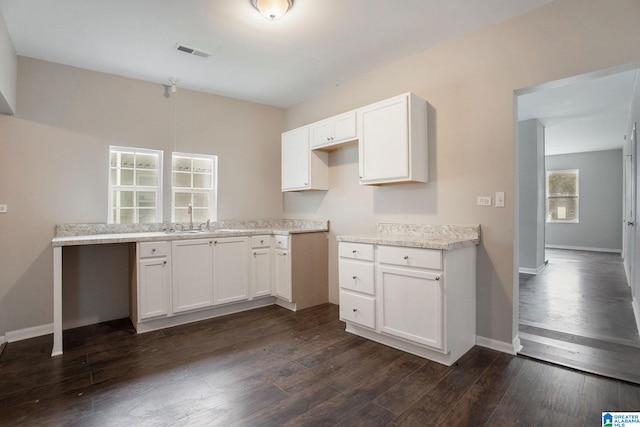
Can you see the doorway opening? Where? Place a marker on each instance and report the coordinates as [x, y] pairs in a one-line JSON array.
[[576, 245]]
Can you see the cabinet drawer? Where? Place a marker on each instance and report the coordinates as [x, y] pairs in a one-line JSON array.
[[281, 242], [360, 309], [357, 275], [361, 251], [262, 241], [152, 249], [410, 257]]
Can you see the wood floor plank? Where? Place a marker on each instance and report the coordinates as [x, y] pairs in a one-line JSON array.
[[274, 367]]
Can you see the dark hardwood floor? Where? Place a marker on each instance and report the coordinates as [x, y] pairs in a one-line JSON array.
[[272, 367], [577, 312]]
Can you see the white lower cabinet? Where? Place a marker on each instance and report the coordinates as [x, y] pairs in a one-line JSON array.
[[185, 280], [300, 270], [260, 266], [420, 300], [230, 270], [192, 274], [153, 278], [411, 305], [282, 275]]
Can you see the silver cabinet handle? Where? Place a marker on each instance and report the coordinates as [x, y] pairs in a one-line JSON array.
[[630, 223]]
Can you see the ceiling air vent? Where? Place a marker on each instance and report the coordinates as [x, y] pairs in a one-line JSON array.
[[192, 51]]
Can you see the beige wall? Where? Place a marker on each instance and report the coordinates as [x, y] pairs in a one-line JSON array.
[[53, 169], [470, 85]]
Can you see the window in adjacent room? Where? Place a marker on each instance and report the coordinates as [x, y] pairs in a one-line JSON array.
[[563, 196], [135, 185], [194, 182]]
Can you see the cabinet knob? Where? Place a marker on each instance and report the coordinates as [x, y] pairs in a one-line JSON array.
[[354, 251], [306, 183], [406, 257], [164, 263], [153, 250], [210, 242], [355, 309], [328, 138], [215, 242], [354, 277], [262, 242], [437, 277]]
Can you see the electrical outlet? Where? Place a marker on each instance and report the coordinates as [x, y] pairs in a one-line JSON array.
[[3, 208], [484, 201], [500, 199]]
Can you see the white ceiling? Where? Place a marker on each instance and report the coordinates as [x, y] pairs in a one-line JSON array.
[[591, 115], [317, 45]]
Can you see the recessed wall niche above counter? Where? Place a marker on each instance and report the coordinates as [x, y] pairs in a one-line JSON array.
[[391, 136]]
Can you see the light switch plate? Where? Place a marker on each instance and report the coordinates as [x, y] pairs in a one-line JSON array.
[[500, 199], [3, 208]]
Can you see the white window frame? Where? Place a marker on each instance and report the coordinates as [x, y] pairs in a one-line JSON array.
[[136, 188], [577, 197], [213, 191]]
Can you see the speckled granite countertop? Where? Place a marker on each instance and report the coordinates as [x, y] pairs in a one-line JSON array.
[[94, 234], [427, 236]]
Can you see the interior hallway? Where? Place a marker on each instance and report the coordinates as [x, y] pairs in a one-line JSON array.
[[577, 312]]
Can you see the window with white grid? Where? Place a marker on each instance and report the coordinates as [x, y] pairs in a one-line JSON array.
[[194, 183], [135, 185]]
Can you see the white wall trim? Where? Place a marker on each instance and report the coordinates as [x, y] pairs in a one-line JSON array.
[[26, 333], [505, 347], [2, 339], [584, 248], [636, 311], [533, 270]]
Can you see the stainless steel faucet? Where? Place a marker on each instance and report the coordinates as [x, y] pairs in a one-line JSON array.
[[190, 212]]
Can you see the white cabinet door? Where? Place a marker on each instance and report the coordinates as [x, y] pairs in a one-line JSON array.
[[344, 127], [282, 275], [302, 169], [384, 143], [261, 272], [154, 287], [321, 133], [295, 159], [411, 305], [231, 269], [393, 141], [334, 131], [192, 273]]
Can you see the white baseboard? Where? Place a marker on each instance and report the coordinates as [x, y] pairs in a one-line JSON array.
[[533, 270], [2, 339], [504, 347], [25, 334], [584, 248]]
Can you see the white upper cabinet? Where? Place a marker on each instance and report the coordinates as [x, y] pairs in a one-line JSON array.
[[302, 169], [334, 132], [393, 141]]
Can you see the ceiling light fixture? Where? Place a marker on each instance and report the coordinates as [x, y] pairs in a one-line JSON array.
[[272, 9]]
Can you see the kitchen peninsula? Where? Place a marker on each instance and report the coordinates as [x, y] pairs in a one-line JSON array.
[[183, 276], [412, 287]]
